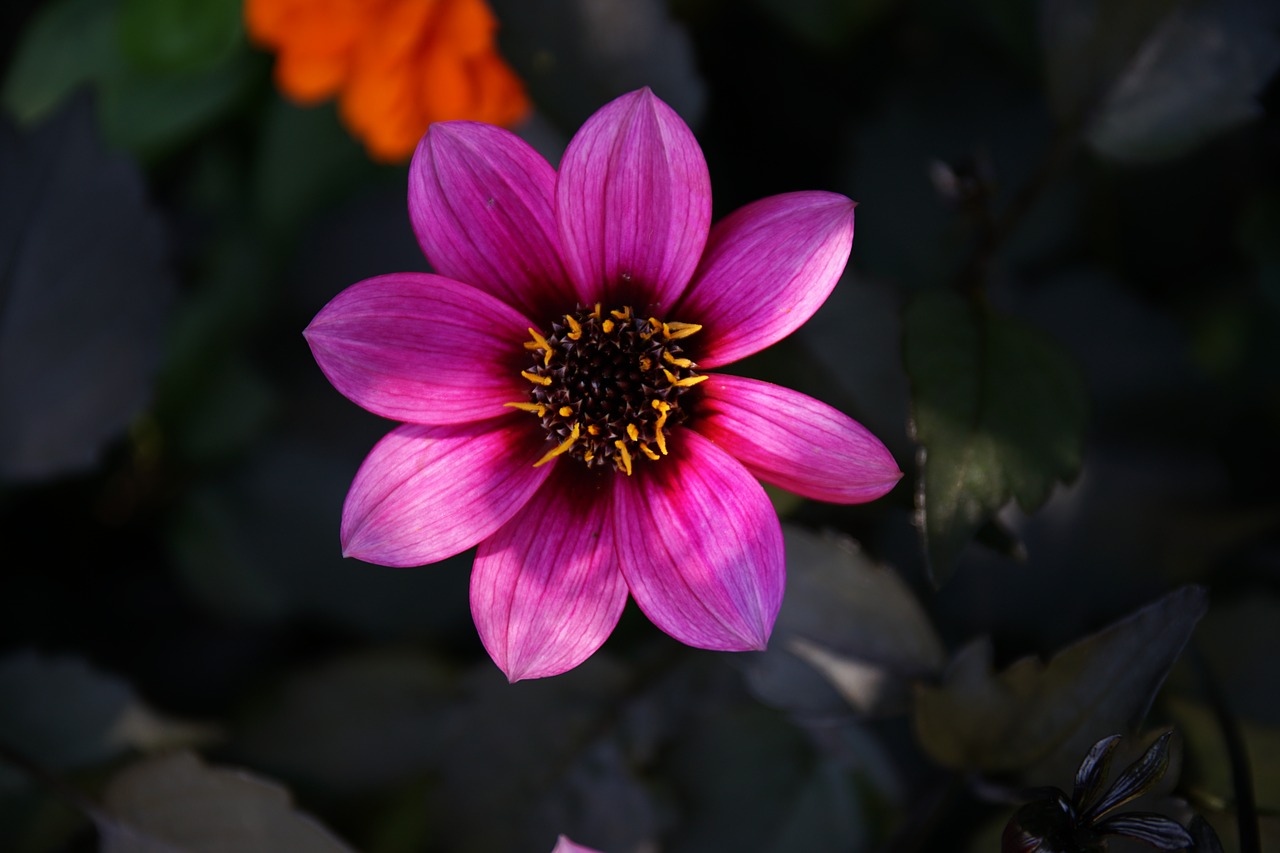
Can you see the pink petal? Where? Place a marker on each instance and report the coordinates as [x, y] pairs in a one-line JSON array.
[[421, 348], [546, 590], [428, 492], [481, 202], [767, 267], [564, 845], [633, 204], [793, 441], [700, 546]]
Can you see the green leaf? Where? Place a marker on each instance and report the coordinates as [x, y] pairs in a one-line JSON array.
[[62, 714], [178, 35], [1038, 720], [826, 24], [847, 624], [148, 113], [178, 802], [67, 44], [1000, 412], [305, 160]]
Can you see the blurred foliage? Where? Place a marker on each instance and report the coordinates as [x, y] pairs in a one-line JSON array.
[[1063, 307]]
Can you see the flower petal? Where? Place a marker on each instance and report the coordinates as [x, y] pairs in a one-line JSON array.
[[794, 441], [701, 547], [481, 201], [767, 267], [564, 845], [633, 204], [421, 348], [428, 492], [546, 590]]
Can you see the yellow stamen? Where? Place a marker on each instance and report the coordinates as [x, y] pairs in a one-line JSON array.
[[539, 342], [537, 408], [535, 378], [607, 325], [633, 432], [592, 429], [596, 311], [664, 409], [566, 411], [588, 456], [575, 328], [645, 363], [624, 314], [654, 328], [644, 448], [687, 382], [676, 331], [678, 362], [624, 455], [560, 448]]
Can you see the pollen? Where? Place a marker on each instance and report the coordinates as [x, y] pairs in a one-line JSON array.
[[609, 385]]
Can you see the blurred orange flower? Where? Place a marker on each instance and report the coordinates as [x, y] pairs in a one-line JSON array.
[[396, 65]]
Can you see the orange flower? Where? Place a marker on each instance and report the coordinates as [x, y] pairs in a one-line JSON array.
[[396, 65]]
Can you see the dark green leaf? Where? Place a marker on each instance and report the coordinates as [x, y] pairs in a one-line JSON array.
[[1000, 412], [1037, 719], [826, 24], [178, 803], [62, 714], [84, 292], [854, 622], [67, 44], [305, 159], [148, 113], [575, 55], [59, 712], [752, 783], [178, 35]]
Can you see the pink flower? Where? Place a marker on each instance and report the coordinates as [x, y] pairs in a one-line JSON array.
[[550, 383]]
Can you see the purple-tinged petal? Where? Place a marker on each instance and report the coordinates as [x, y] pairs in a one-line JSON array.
[[794, 441], [546, 590], [482, 204], [421, 348], [633, 203], [428, 492], [564, 845], [767, 267], [701, 547]]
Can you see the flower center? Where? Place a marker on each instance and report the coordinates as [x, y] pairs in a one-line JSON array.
[[607, 385]]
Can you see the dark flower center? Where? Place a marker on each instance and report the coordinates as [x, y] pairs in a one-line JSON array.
[[607, 385]]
